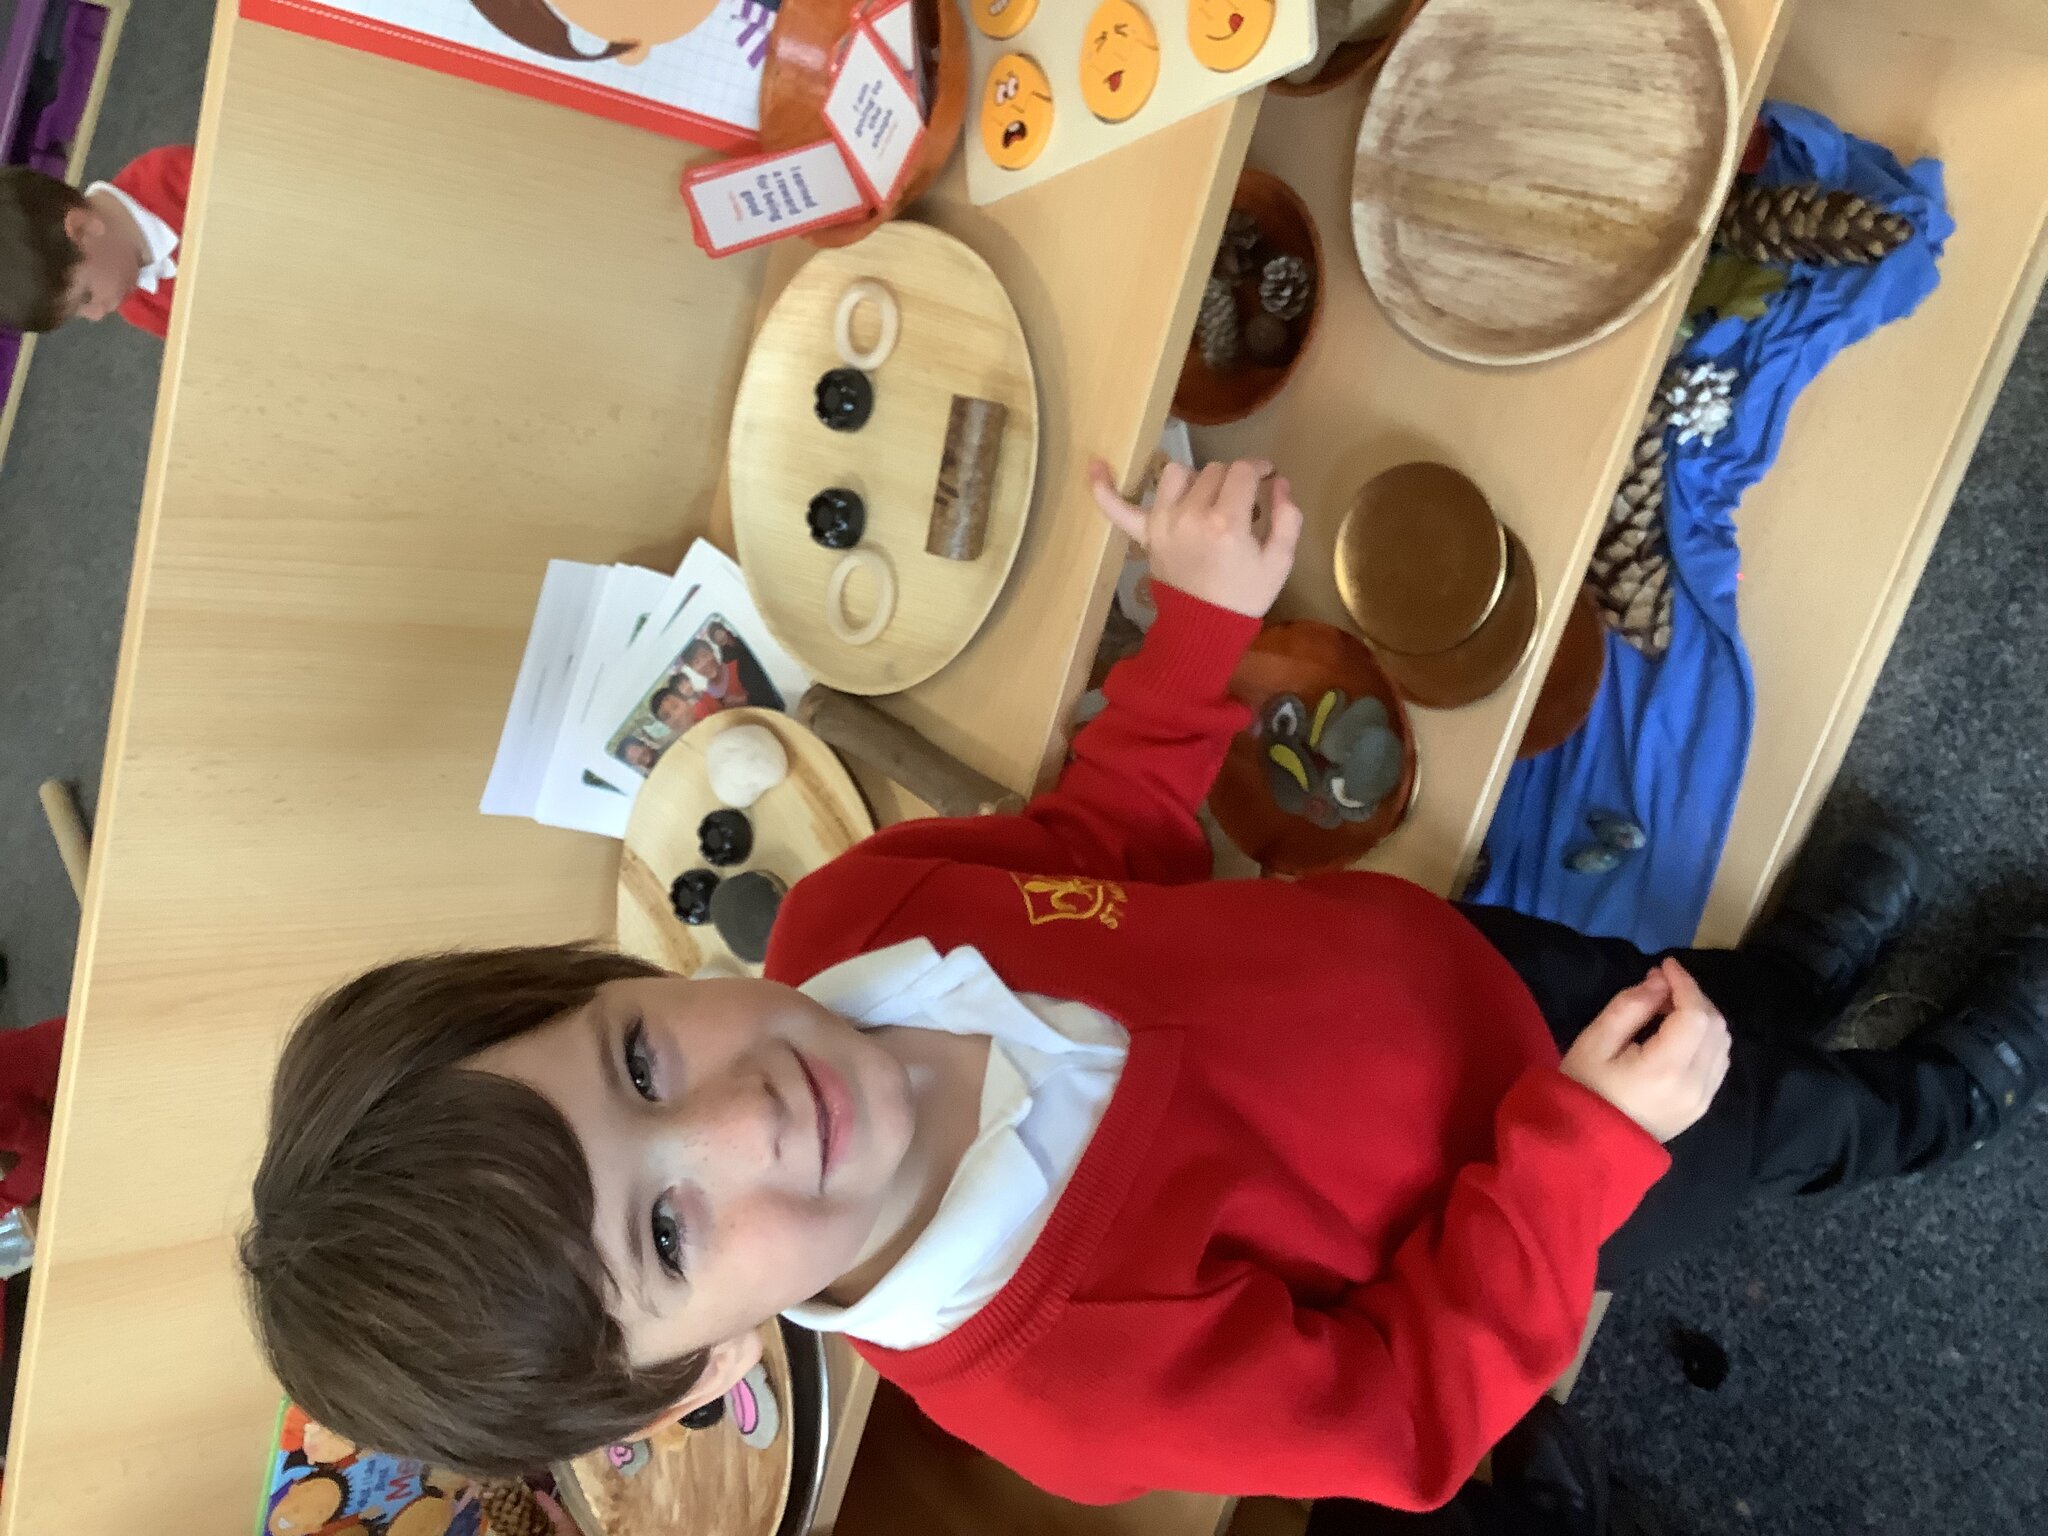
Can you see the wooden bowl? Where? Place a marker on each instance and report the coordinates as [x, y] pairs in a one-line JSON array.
[[1207, 398], [1350, 60], [808, 39], [1307, 659], [1572, 683], [1507, 210]]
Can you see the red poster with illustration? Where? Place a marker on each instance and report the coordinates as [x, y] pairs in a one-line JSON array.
[[687, 68]]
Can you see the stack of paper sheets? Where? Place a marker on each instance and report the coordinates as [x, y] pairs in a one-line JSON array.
[[620, 662]]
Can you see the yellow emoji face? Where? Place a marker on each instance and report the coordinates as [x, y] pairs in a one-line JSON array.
[[1119, 60], [1002, 18], [1016, 112], [1226, 34]]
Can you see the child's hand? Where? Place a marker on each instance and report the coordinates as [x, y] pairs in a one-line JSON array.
[[1201, 536], [1666, 1083]]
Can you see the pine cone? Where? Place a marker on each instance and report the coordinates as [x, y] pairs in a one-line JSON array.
[[1805, 222], [510, 1509], [1240, 231], [1286, 287], [1233, 264], [1631, 568], [1216, 327]]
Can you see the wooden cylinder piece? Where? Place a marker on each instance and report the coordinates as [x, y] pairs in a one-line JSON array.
[[886, 744], [967, 478]]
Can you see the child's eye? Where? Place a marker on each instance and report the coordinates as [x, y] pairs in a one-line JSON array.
[[668, 1238], [639, 1066]]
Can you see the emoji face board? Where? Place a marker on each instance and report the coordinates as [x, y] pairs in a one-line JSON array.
[[1058, 84]]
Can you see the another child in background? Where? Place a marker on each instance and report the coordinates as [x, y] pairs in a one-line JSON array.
[[111, 249], [1130, 1178]]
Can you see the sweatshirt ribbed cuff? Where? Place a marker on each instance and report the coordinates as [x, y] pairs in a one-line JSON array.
[[1193, 647]]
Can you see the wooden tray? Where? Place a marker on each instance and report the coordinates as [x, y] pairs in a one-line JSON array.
[[709, 1482], [1531, 172], [809, 819], [959, 335]]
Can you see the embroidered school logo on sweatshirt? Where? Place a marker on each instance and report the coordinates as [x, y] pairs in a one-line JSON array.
[[1075, 898]]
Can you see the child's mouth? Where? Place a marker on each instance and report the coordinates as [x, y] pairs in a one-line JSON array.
[[830, 1101]]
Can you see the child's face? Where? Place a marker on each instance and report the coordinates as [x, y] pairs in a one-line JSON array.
[[108, 264], [743, 1145], [673, 710]]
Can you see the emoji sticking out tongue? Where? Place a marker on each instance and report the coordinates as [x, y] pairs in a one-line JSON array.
[[1119, 61], [1226, 35]]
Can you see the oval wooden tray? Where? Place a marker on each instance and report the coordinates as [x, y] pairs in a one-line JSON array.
[[960, 336], [809, 819], [709, 1482], [1531, 172]]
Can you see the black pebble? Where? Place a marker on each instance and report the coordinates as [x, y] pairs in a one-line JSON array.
[[744, 909], [725, 838], [1700, 1356], [691, 895], [846, 398], [838, 517]]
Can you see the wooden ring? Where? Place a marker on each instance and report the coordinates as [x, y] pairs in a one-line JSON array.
[[857, 292], [835, 596]]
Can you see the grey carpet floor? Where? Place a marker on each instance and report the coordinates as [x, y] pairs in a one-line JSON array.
[[69, 489], [1888, 1348]]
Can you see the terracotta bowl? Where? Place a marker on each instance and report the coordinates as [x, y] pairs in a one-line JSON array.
[[1572, 683], [1210, 399], [808, 38], [1350, 60], [1307, 659]]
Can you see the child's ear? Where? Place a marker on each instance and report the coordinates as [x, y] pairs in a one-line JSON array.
[[81, 224], [728, 1362]]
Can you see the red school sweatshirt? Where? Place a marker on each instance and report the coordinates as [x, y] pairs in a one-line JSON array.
[[160, 180], [1337, 1229]]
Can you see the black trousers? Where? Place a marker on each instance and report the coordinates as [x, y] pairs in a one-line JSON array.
[[1792, 1118]]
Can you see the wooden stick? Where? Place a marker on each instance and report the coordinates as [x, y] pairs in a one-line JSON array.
[[67, 826], [967, 478], [886, 744]]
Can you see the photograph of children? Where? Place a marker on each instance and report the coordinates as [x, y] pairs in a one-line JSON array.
[[714, 670]]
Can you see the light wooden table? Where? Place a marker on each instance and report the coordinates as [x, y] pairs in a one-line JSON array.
[[431, 335], [428, 336]]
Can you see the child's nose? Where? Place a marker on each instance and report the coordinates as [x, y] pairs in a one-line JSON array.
[[743, 1121]]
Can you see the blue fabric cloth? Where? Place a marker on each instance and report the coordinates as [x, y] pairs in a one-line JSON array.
[[1667, 741]]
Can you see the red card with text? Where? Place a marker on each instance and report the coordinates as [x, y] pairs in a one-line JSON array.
[[872, 111], [738, 204]]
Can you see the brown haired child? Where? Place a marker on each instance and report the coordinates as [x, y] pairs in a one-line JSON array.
[[1132, 1179], [111, 249]]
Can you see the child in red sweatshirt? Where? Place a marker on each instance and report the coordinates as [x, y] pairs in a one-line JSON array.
[[1132, 1179], [111, 249]]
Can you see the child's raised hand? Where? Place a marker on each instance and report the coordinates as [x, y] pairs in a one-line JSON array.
[[1202, 536], [1666, 1083]]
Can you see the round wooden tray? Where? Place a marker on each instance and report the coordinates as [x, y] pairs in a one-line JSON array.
[[808, 41], [1474, 668], [1531, 172], [1307, 659], [1421, 559], [960, 336], [808, 819], [709, 1482]]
